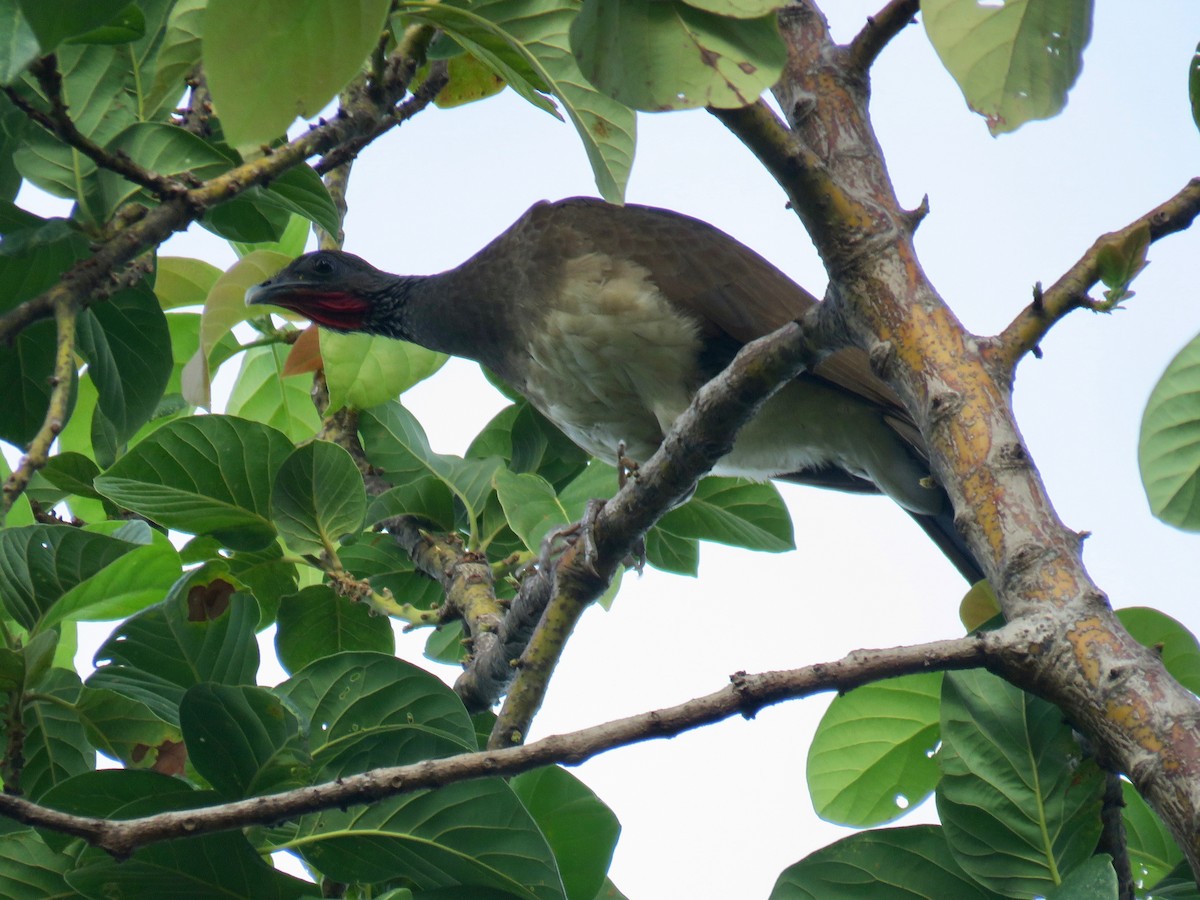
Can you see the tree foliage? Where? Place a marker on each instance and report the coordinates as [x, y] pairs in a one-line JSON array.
[[326, 519]]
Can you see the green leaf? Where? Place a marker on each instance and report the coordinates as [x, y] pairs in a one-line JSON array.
[[1093, 879], [395, 442], [29, 868], [263, 394], [472, 837], [428, 497], [365, 371], [73, 473], [1169, 442], [158, 147], [316, 623], [1015, 61], [271, 45], [1194, 86], [55, 745], [51, 572], [203, 475], [251, 218], [300, 190], [1153, 852], [893, 863], [53, 21], [243, 739], [1119, 262], [318, 498], [530, 505], [871, 759], [224, 307], [1175, 645], [182, 281], [538, 446], [738, 9], [541, 35], [20, 45], [670, 553], [179, 52], [128, 25], [128, 348], [214, 865], [734, 511], [291, 242], [125, 728], [581, 830], [1018, 803], [669, 55]]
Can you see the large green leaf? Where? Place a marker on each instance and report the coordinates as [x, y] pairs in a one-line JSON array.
[[27, 371], [126, 727], [203, 475], [244, 739], [1169, 442], [54, 20], [530, 504], [179, 51], [52, 572], [215, 865], [318, 498], [360, 696], [670, 55], [888, 863], [55, 745], [871, 759], [471, 836], [539, 33], [1013, 61], [128, 348], [316, 623], [734, 511], [271, 44], [1019, 805], [30, 868], [671, 553], [1194, 86], [396, 443], [183, 281], [581, 829], [203, 631], [263, 394], [20, 45], [364, 371], [1152, 850]]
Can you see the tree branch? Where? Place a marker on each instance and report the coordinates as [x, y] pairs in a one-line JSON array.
[[59, 123], [746, 695], [66, 314], [879, 31], [1070, 292]]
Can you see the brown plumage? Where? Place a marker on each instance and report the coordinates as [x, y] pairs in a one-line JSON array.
[[610, 318]]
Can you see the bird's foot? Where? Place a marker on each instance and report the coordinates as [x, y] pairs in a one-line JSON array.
[[563, 536]]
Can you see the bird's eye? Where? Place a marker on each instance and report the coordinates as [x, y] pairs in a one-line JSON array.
[[322, 266]]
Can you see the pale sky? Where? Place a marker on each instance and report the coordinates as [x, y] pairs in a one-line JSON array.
[[720, 812]]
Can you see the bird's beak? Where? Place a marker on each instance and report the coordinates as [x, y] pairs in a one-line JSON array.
[[333, 308]]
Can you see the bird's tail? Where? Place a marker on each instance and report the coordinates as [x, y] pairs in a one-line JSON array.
[[941, 530]]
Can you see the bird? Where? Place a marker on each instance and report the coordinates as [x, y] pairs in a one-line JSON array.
[[608, 319]]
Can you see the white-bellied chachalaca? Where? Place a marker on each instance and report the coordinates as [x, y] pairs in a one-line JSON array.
[[608, 319]]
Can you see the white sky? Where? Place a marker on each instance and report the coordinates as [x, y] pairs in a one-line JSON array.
[[719, 813]]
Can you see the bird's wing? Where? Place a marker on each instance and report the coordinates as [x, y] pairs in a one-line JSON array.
[[717, 280]]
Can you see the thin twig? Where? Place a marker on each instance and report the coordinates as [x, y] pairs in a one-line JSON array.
[[65, 319], [1070, 292], [879, 31]]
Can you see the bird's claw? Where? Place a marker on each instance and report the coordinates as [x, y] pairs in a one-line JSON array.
[[582, 531]]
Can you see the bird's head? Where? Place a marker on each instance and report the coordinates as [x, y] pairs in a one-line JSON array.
[[337, 290]]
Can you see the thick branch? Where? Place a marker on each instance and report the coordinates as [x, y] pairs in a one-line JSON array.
[[879, 31], [1070, 292], [745, 696]]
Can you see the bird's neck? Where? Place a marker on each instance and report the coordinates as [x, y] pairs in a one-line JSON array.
[[444, 313]]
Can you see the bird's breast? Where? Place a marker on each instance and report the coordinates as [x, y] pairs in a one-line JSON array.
[[611, 360]]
